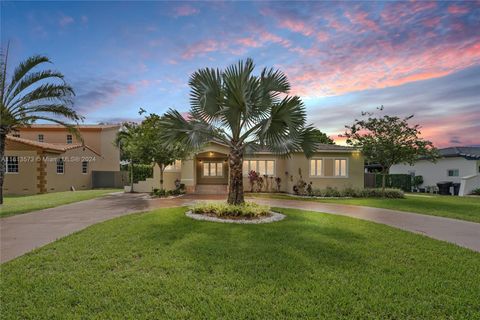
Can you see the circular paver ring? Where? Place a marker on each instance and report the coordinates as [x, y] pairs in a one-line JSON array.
[[274, 217]]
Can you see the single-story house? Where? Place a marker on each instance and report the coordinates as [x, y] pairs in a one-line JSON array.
[[48, 158], [207, 171], [456, 165]]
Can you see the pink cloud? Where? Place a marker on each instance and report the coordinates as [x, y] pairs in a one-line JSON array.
[[202, 47], [297, 26], [361, 18], [322, 36], [185, 10], [455, 9], [248, 42], [339, 74], [65, 21], [432, 22]]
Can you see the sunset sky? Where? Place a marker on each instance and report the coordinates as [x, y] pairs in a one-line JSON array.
[[420, 58]]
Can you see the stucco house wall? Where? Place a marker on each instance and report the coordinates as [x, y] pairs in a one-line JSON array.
[[287, 168], [72, 176], [436, 172], [25, 181], [40, 176]]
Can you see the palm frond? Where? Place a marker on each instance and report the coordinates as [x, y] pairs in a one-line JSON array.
[[50, 92], [206, 94], [32, 79], [23, 68], [193, 133]]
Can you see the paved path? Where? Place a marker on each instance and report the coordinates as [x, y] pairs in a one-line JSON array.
[[22, 233]]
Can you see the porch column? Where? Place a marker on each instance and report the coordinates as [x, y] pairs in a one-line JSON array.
[[188, 174]]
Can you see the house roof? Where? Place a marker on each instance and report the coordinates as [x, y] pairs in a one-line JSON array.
[[320, 147], [469, 153], [48, 126], [51, 147]]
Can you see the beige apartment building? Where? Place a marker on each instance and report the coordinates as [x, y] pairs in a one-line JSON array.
[[207, 171], [48, 158]]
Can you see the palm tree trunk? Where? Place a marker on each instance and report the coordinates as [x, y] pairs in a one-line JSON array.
[[2, 164], [235, 187], [384, 173]]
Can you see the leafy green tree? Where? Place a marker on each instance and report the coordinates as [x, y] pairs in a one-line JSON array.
[[29, 96], [152, 147], [128, 140], [388, 140], [321, 137], [245, 112]]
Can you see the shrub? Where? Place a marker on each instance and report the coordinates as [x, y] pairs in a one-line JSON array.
[[162, 193], [358, 193], [398, 181], [417, 181], [476, 192], [140, 172], [224, 210]]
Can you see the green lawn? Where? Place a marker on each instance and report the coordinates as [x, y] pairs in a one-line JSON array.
[[22, 204], [162, 265], [463, 208]]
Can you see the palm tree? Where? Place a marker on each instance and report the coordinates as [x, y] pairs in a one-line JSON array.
[[127, 140], [29, 96], [245, 112]]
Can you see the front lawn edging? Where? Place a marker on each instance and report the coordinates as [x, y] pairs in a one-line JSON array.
[[273, 217], [314, 197]]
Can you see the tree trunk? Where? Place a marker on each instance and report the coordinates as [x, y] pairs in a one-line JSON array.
[[2, 164], [131, 175], [162, 169], [235, 187], [384, 174]]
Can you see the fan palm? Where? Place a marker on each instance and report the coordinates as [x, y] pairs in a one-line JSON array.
[[29, 96], [245, 112]]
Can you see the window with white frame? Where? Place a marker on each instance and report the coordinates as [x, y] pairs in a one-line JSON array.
[[84, 167], [316, 167], [453, 172], [11, 164], [69, 139], [40, 138], [262, 167], [60, 166], [340, 169], [212, 169]]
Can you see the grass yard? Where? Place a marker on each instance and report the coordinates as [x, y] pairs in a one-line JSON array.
[[162, 265], [463, 208], [22, 204]]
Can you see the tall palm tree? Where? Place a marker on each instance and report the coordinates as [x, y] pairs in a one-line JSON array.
[[30, 96], [127, 140], [245, 112]]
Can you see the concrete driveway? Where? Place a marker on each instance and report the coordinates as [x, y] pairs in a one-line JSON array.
[[22, 233]]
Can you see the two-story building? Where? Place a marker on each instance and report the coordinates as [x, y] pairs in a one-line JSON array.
[[49, 158]]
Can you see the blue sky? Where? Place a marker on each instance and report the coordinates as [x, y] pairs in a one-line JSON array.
[[341, 57]]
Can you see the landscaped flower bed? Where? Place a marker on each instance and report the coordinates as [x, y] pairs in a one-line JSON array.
[[162, 193], [248, 210], [355, 193]]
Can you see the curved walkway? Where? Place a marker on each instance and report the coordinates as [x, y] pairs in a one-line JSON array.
[[22, 233]]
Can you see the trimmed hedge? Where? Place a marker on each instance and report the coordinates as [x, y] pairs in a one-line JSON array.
[[358, 193], [397, 181], [140, 172]]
